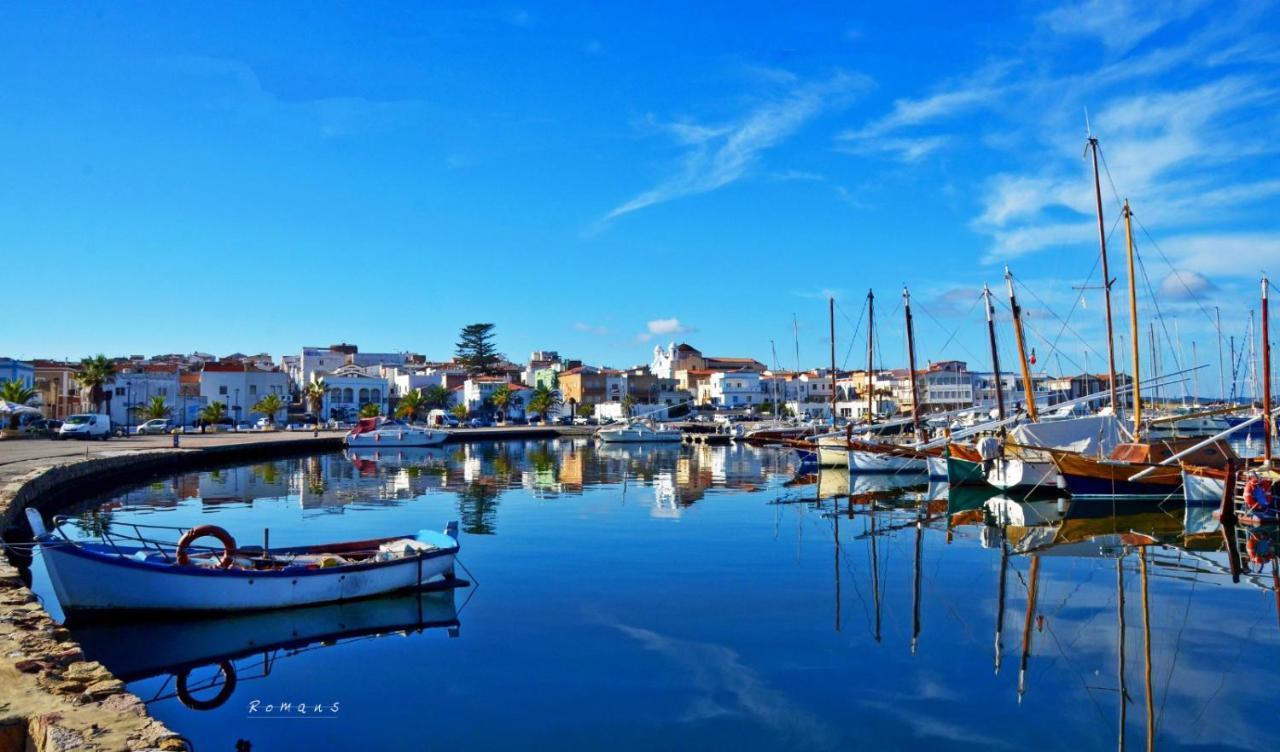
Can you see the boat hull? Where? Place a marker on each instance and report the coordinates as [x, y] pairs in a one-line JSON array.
[[863, 461], [86, 579], [1009, 473], [1086, 477], [833, 451], [406, 437], [630, 437]]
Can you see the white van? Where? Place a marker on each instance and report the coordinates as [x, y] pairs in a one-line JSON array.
[[86, 426]]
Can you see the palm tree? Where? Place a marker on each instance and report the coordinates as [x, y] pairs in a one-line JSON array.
[[460, 412], [314, 394], [412, 405], [16, 391], [500, 398], [153, 409], [214, 412], [370, 410], [269, 406], [436, 397], [627, 403], [94, 373], [544, 400]]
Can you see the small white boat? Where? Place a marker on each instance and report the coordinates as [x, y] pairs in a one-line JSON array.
[[1008, 473], [379, 432], [864, 461], [133, 572], [833, 450], [637, 432]]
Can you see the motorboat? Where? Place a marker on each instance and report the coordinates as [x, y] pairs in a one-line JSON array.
[[638, 432], [380, 432], [129, 568]]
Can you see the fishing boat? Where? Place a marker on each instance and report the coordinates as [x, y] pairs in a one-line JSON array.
[[1086, 476], [380, 432], [129, 569], [638, 432]]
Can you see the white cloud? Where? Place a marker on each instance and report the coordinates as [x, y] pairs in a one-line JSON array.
[[658, 327], [722, 154], [1184, 283]]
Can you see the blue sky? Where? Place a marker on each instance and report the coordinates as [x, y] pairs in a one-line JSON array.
[[596, 178]]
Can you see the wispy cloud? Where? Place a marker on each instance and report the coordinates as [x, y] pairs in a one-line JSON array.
[[582, 326], [1120, 25], [717, 155]]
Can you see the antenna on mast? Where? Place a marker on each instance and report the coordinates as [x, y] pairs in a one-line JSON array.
[[1088, 132]]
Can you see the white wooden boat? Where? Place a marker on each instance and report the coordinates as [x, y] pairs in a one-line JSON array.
[[637, 432], [833, 450], [1009, 472], [134, 572], [378, 432], [864, 461]]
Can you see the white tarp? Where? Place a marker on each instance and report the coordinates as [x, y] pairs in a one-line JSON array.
[[1096, 434]]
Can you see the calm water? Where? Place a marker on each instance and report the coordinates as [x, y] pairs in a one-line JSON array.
[[704, 598]]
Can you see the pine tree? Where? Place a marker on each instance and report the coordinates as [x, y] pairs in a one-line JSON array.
[[475, 350]]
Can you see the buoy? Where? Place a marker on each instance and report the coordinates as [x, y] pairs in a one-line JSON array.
[[1257, 496], [200, 531]]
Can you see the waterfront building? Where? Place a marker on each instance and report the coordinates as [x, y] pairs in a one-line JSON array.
[[315, 362], [20, 371], [130, 389], [584, 385], [240, 386], [58, 391], [478, 390], [668, 362], [734, 389], [347, 389]]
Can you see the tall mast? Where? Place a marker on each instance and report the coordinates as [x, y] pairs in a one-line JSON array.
[[1133, 329], [1222, 378], [995, 353], [1124, 687], [1004, 569], [871, 356], [911, 365], [1106, 276], [1267, 426], [1146, 652], [1028, 388], [875, 568], [1032, 591], [1155, 359], [832, 311]]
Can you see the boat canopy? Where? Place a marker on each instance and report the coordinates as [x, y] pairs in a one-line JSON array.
[[1092, 435]]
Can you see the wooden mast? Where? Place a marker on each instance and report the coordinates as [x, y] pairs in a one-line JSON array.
[[1133, 329], [871, 356], [1028, 388], [1146, 651], [1124, 687], [875, 566], [1106, 277], [1028, 621], [832, 311], [1267, 425], [911, 366], [1004, 569], [995, 353]]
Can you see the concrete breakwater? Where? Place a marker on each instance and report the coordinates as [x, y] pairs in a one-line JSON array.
[[51, 698]]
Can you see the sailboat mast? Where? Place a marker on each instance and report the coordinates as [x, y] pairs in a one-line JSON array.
[[911, 365], [1120, 629], [1133, 329], [1106, 276], [1032, 591], [1267, 425], [1004, 569], [1028, 388], [1222, 378], [871, 356], [995, 352], [1146, 652], [832, 312]]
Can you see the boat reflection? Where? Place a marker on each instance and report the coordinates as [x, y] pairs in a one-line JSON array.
[[215, 655]]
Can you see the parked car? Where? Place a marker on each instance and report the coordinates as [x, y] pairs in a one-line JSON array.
[[86, 426], [451, 421], [522, 421], [479, 423], [43, 427], [535, 420], [564, 420], [262, 423], [155, 426]]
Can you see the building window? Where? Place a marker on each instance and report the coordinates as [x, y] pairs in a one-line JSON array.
[[253, 390], [375, 395], [222, 390], [119, 391]]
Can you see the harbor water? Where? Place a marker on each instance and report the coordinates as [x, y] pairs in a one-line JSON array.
[[702, 597]]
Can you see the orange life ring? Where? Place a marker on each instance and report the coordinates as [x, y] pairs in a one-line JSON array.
[[200, 531], [1260, 547], [1252, 488]]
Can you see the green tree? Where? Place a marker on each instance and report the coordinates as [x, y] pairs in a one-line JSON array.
[[153, 409], [460, 412], [544, 400], [586, 410], [436, 397], [314, 394], [412, 405], [370, 410], [94, 373], [475, 350], [627, 403], [16, 391], [269, 406], [500, 399], [214, 412]]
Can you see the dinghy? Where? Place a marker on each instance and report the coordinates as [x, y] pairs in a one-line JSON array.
[[128, 570]]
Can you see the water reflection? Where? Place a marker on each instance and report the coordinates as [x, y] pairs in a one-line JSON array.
[[674, 596]]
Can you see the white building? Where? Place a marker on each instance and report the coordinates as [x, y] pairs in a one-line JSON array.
[[240, 386], [477, 391], [348, 389], [733, 389], [131, 389]]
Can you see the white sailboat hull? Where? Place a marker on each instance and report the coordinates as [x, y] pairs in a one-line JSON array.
[[861, 461], [1202, 492], [397, 437], [639, 436], [833, 451], [937, 468], [1014, 472]]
